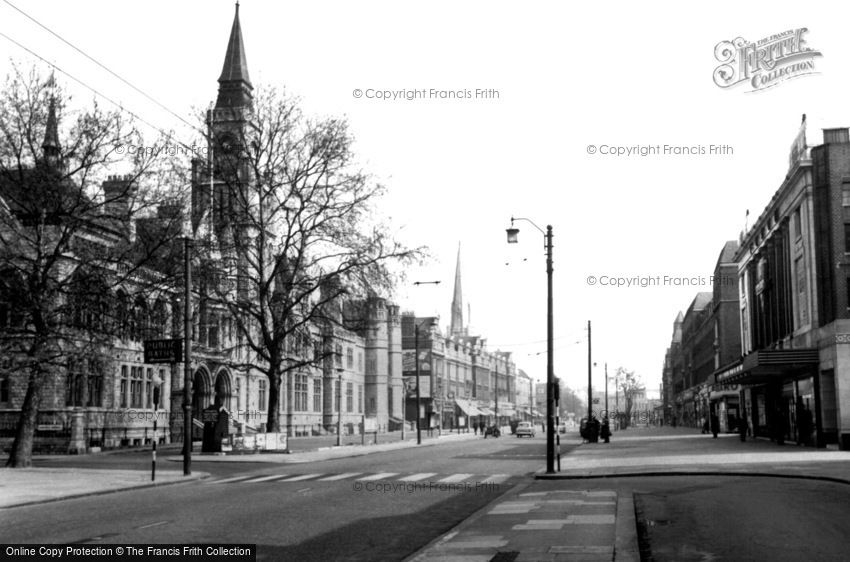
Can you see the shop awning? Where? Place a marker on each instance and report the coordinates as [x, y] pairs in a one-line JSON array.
[[485, 411], [765, 365], [467, 407]]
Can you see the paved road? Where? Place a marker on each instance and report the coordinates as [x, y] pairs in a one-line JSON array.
[[383, 506]]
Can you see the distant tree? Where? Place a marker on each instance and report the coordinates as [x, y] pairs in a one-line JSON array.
[[300, 235], [66, 241], [630, 384], [571, 403]]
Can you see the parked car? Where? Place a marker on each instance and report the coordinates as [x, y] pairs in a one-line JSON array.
[[562, 427], [525, 428]]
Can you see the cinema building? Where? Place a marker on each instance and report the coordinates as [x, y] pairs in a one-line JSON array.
[[793, 282]]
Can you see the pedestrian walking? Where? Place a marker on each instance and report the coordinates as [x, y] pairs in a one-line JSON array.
[[593, 430], [606, 430], [715, 424]]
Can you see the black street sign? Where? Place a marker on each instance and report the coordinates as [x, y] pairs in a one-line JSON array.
[[164, 351]]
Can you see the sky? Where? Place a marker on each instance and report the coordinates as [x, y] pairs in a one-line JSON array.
[[540, 93]]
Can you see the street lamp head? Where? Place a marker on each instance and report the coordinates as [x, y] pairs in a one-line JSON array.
[[512, 235]]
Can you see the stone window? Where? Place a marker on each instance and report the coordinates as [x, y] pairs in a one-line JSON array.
[[125, 384], [300, 393], [262, 395], [317, 395]]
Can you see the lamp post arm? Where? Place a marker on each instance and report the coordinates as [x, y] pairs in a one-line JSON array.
[[528, 221]]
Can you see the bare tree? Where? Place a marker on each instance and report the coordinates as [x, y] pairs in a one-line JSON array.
[[297, 230], [630, 384], [67, 238]]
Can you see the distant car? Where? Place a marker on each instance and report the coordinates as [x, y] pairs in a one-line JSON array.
[[525, 428], [562, 428]]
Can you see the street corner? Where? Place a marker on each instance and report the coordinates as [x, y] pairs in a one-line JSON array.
[[28, 486]]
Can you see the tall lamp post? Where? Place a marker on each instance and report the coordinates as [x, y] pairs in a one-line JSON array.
[[187, 356], [339, 406], [157, 381], [589, 377], [607, 415], [416, 351], [550, 371]]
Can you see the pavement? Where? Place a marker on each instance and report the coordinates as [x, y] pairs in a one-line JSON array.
[[326, 453], [665, 450], [28, 486], [537, 523]]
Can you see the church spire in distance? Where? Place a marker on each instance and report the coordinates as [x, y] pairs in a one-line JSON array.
[[51, 147], [457, 328]]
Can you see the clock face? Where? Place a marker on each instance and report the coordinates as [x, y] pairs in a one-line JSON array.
[[227, 143]]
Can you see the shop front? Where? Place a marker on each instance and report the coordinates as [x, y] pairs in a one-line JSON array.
[[725, 401], [780, 398]]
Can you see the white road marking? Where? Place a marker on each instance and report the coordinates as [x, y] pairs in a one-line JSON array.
[[417, 477], [379, 476], [496, 479], [265, 478], [302, 477], [455, 478], [158, 523], [339, 476], [226, 480]]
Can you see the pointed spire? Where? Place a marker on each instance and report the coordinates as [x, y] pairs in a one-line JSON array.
[[234, 83], [457, 302], [51, 146]]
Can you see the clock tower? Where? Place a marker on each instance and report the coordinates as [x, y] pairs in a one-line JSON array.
[[219, 182]]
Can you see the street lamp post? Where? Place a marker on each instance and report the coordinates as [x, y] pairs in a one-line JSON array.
[[416, 351], [418, 392], [339, 408], [550, 371], [187, 357], [157, 381], [589, 377], [606, 391]]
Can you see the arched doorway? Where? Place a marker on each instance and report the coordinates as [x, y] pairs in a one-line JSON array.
[[201, 393], [222, 390]]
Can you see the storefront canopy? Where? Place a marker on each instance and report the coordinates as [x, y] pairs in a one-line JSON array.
[[468, 407], [765, 365]]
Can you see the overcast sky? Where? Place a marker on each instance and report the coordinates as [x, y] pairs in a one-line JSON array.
[[566, 75]]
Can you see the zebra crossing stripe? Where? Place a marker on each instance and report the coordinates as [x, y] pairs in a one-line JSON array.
[[302, 477], [496, 479], [339, 476], [455, 478], [228, 480], [265, 478], [379, 476], [417, 477]]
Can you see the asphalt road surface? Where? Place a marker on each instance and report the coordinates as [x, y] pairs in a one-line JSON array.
[[382, 506]]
